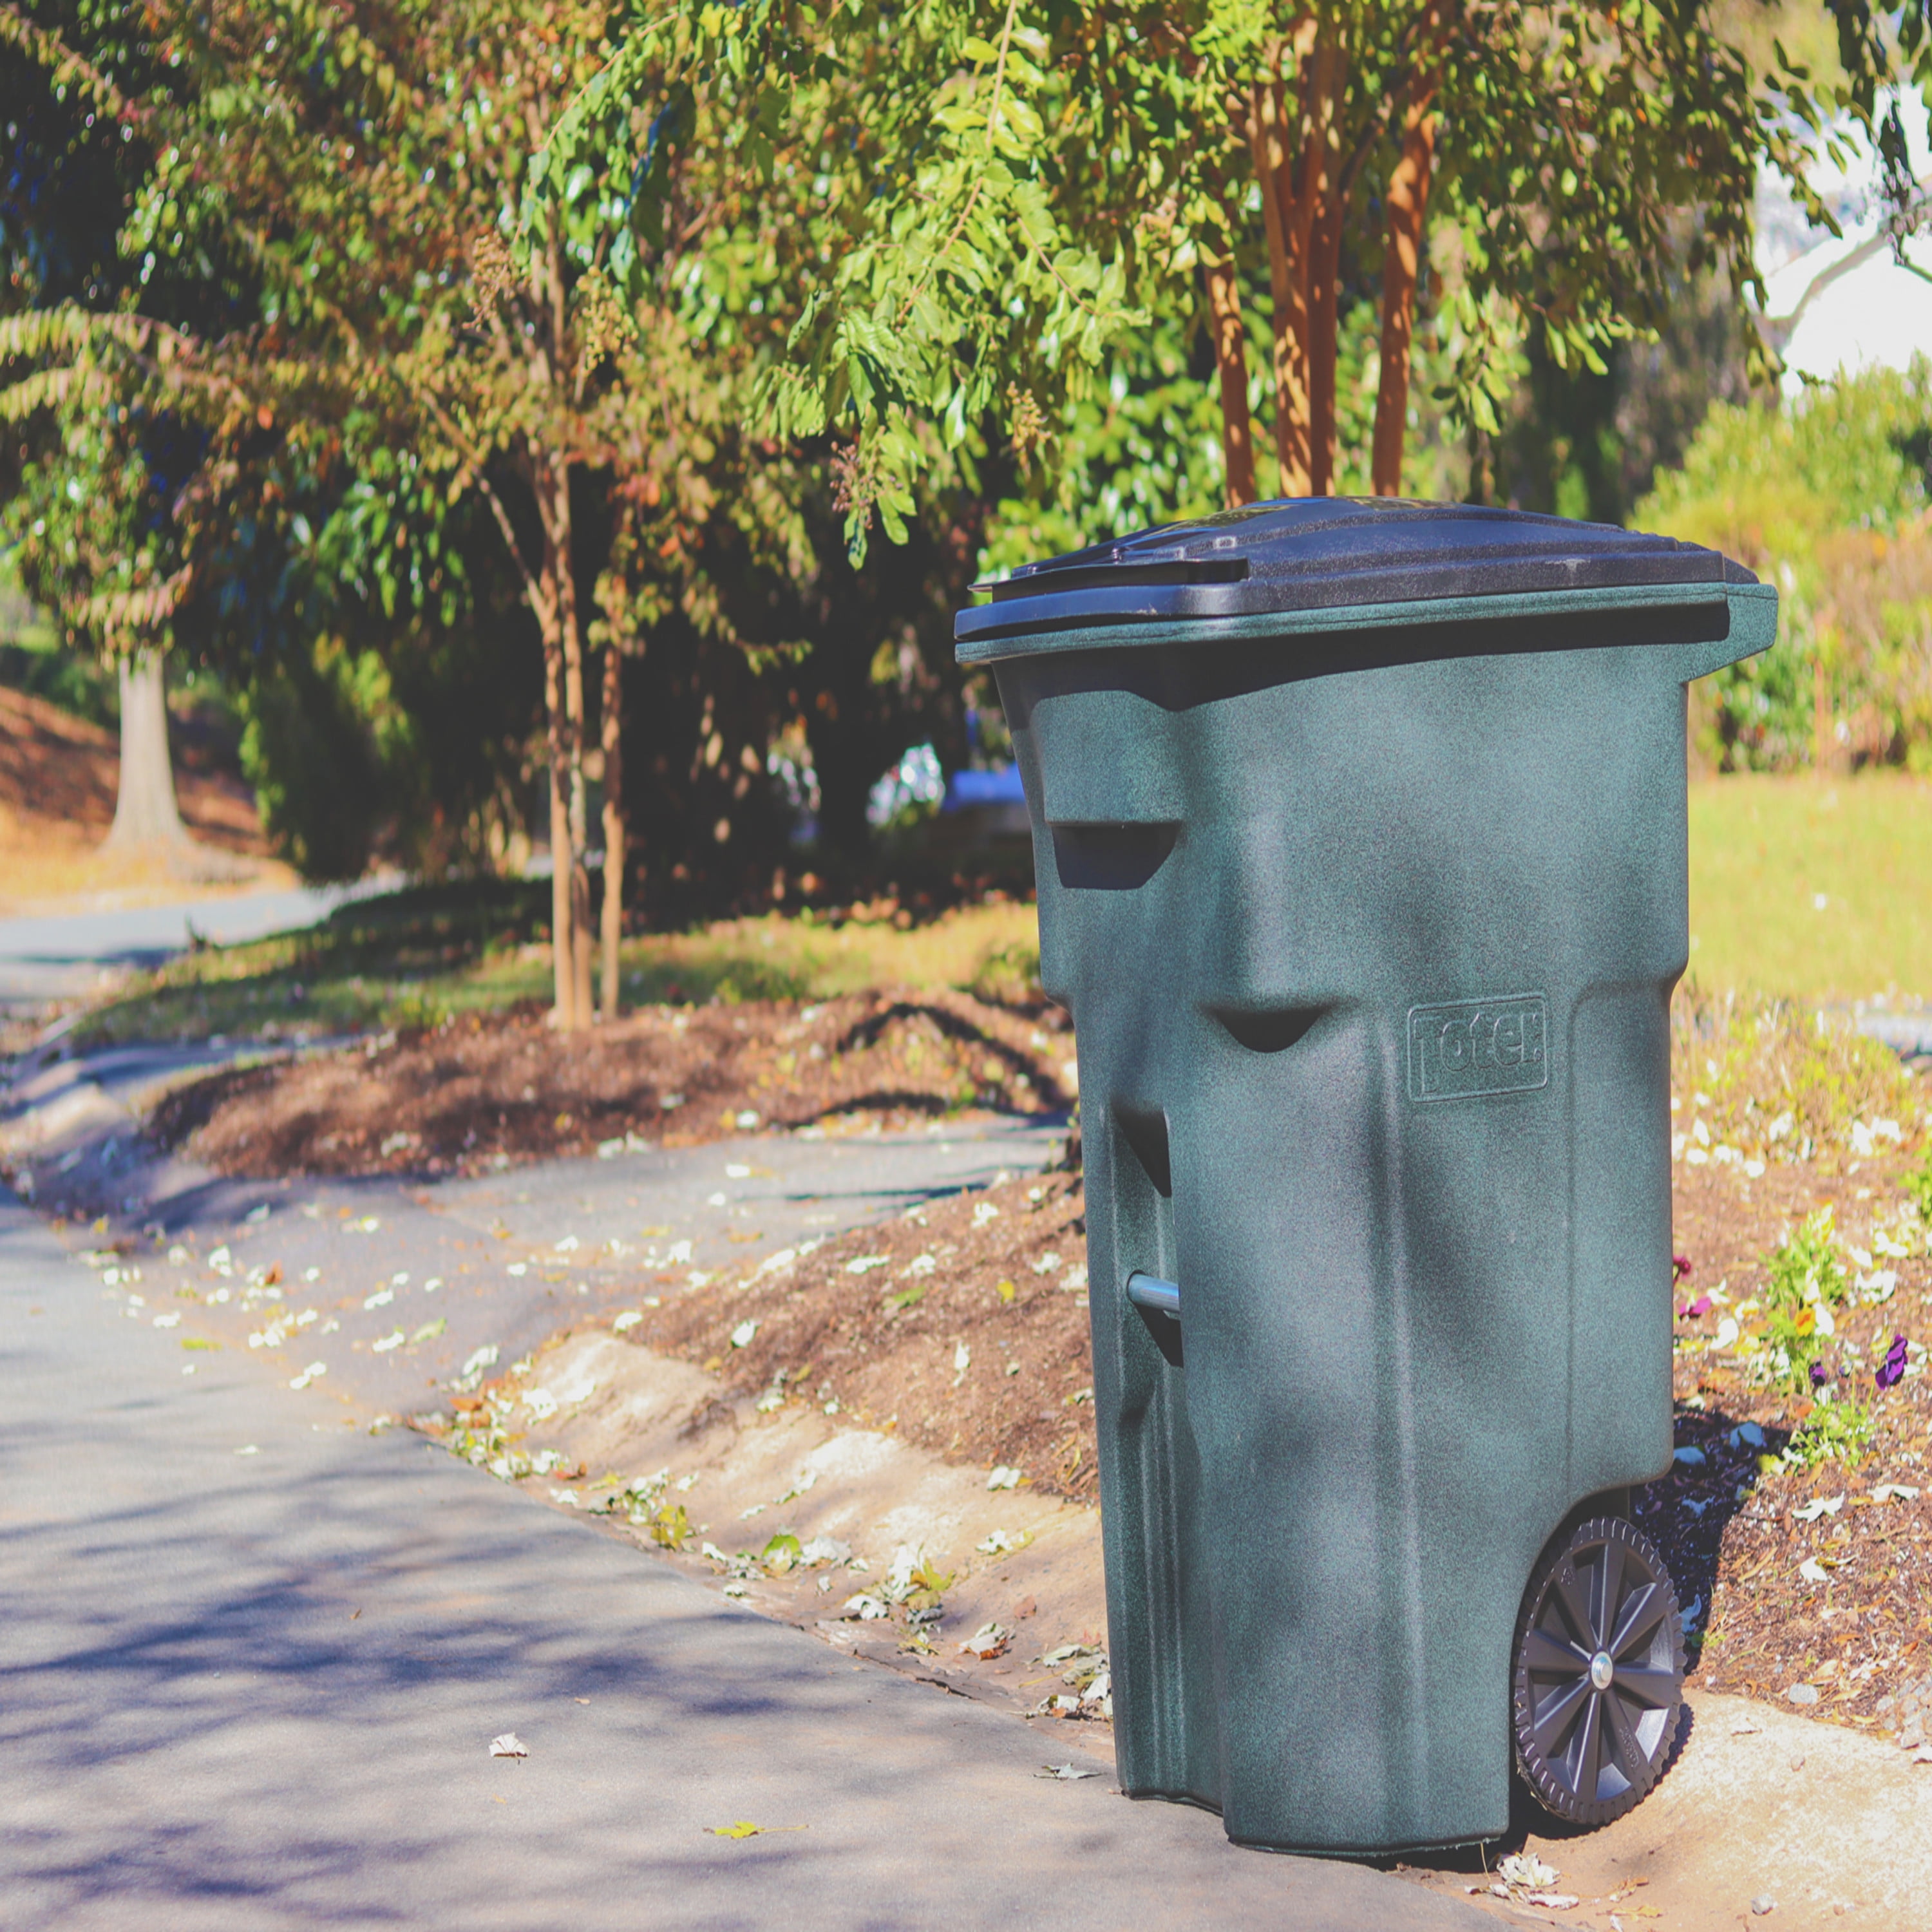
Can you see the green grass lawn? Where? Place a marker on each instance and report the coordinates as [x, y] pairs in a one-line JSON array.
[[413, 958], [1764, 853], [1820, 890]]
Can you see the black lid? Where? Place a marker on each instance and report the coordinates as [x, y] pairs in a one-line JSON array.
[[1314, 553]]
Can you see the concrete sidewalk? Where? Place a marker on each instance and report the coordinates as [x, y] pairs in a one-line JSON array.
[[502, 1261], [253, 1661]]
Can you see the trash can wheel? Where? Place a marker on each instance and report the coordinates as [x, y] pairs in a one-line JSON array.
[[1599, 1671]]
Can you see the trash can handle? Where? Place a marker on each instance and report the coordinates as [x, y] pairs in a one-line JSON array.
[[1146, 1290]]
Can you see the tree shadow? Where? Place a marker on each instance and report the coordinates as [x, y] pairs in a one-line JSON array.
[[1686, 1511]]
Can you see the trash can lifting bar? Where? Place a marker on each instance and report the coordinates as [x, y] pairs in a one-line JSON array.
[[1146, 1290]]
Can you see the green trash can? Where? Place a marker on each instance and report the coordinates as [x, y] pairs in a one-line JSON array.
[[1360, 840]]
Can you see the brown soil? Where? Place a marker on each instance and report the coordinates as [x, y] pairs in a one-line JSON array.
[[483, 1092], [1857, 1636], [874, 1321]]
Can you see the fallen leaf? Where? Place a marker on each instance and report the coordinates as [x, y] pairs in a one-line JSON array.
[[987, 1642], [745, 1829], [1526, 1870], [1000, 1544], [1064, 1771], [508, 1744]]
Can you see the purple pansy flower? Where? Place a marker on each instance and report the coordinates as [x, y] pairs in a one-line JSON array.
[[1892, 1369]]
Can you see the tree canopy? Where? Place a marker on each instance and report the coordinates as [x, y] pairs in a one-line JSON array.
[[1001, 196]]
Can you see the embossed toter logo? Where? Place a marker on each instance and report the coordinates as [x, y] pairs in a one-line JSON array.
[[1478, 1046]]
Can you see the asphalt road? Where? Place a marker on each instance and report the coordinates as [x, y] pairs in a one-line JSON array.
[[60, 956], [251, 1661]]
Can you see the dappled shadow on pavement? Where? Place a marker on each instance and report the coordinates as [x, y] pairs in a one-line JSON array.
[[258, 1689]]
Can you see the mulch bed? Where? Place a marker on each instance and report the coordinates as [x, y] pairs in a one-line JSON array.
[[884, 1341], [1727, 1528], [961, 1326], [485, 1092]]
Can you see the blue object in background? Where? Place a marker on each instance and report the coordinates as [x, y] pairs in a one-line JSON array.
[[970, 788]]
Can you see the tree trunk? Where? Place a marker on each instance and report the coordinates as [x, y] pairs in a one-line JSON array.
[[582, 937], [1327, 194], [1323, 269], [145, 814], [563, 950], [1231, 360], [1408, 200], [563, 705], [1482, 467], [563, 652], [1293, 150], [1288, 283], [613, 822]]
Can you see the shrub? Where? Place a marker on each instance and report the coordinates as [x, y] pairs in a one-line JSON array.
[[1827, 498]]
